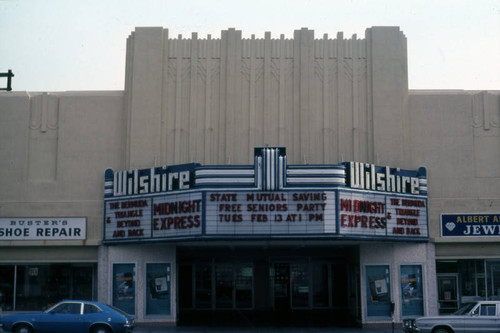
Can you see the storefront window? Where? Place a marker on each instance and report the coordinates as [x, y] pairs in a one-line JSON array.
[[478, 279], [35, 287], [493, 270], [38, 287], [83, 282], [124, 287], [158, 289], [411, 290], [7, 287], [378, 291], [472, 277]]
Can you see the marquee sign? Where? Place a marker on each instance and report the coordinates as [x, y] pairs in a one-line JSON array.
[[270, 213], [265, 200]]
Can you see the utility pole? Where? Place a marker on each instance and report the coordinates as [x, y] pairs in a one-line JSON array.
[[9, 75]]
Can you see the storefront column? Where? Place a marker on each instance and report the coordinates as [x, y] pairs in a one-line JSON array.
[[103, 274], [382, 263], [139, 266]]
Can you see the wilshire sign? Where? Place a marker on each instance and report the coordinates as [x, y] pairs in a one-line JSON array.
[[268, 199]]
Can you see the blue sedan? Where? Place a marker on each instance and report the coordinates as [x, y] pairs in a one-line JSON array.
[[70, 316]]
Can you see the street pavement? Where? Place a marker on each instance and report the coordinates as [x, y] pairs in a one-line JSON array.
[[226, 329]]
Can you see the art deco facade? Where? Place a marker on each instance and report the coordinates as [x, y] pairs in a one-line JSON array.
[[202, 106]]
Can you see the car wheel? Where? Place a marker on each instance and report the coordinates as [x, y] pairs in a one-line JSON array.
[[23, 328], [441, 330], [101, 329]]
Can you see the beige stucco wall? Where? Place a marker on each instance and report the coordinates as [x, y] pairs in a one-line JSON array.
[[212, 100], [456, 135], [53, 152]]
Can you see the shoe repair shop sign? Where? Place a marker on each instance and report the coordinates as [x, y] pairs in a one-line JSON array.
[[47, 228]]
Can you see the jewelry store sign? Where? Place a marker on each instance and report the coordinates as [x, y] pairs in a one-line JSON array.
[[470, 225], [46, 228]]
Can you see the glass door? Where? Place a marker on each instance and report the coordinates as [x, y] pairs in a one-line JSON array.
[[320, 285], [243, 284], [203, 286], [299, 273], [282, 286], [292, 285], [223, 286], [185, 287], [447, 293]]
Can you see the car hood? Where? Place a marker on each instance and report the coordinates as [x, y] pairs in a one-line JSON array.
[[440, 318]]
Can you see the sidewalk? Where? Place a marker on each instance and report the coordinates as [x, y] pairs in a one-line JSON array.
[[226, 329]]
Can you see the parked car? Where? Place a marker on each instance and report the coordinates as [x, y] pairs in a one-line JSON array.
[[70, 316], [483, 316]]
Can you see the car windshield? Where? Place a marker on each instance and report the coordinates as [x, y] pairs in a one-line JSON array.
[[51, 308], [464, 309]]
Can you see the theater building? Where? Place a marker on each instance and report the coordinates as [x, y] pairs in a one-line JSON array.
[[264, 180]]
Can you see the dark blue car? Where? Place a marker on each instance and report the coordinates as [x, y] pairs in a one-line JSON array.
[[70, 316]]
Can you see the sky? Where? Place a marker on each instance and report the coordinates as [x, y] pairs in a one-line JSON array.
[[63, 45]]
